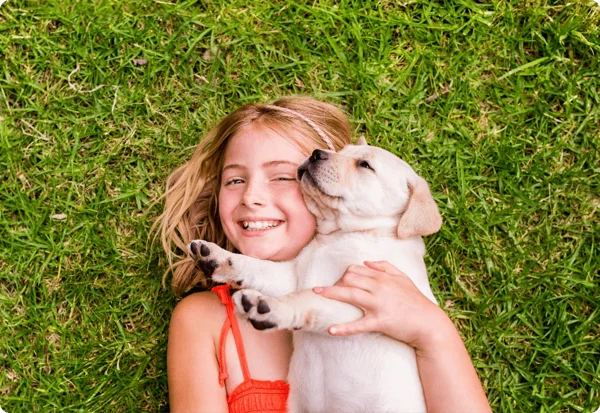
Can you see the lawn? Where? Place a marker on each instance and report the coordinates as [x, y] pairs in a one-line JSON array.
[[496, 104]]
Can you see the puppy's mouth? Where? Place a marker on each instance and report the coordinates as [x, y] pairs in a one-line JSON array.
[[308, 181]]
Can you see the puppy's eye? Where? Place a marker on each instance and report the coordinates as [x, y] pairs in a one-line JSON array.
[[365, 164]]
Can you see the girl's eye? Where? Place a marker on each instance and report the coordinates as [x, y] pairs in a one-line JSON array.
[[365, 164], [234, 181], [285, 178]]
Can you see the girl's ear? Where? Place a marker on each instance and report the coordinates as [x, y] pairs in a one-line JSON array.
[[421, 216], [361, 141]]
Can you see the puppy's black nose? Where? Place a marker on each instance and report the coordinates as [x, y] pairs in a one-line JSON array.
[[319, 155]]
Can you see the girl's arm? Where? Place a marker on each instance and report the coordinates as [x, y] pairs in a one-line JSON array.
[[192, 366], [394, 306]]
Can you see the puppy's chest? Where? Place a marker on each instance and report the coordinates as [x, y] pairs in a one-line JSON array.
[[323, 263]]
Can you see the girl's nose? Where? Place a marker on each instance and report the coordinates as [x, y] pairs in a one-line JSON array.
[[254, 195]]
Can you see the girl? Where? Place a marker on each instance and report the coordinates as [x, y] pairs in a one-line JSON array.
[[239, 190]]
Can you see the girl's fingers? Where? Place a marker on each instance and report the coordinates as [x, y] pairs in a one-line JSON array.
[[358, 276], [383, 266], [386, 267], [355, 296], [362, 270], [354, 279], [364, 325]]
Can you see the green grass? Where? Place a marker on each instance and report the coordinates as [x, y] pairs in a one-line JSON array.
[[496, 104]]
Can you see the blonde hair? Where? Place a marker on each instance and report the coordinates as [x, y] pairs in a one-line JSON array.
[[191, 208]]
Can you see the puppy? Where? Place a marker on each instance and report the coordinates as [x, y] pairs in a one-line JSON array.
[[369, 205]]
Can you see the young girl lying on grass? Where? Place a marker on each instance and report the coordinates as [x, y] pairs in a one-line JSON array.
[[239, 190]]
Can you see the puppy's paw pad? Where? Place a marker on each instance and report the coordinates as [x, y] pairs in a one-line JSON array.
[[262, 325], [246, 301], [246, 304], [256, 308], [262, 307], [212, 260]]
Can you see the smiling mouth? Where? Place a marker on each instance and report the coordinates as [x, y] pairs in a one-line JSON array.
[[259, 225]]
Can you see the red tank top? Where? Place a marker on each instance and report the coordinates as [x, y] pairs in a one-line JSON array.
[[251, 396]]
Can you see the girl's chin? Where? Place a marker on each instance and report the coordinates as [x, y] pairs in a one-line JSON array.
[[263, 254]]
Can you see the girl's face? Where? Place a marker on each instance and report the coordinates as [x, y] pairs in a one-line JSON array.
[[260, 205]]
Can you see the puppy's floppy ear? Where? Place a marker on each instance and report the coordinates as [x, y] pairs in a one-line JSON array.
[[421, 216], [361, 141]]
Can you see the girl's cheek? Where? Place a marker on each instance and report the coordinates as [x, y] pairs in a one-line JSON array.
[[287, 189]]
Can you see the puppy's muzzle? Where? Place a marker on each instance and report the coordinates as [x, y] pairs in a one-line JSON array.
[[317, 155]]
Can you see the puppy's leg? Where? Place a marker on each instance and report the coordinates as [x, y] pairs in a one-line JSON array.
[[269, 277], [300, 310]]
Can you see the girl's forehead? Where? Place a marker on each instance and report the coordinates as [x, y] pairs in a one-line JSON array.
[[258, 145]]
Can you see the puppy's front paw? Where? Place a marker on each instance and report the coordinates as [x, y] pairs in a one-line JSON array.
[[263, 312], [215, 262]]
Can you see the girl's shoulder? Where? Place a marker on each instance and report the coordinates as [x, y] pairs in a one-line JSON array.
[[192, 359], [201, 310]]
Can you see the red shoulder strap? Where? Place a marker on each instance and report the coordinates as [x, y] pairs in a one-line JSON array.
[[231, 321]]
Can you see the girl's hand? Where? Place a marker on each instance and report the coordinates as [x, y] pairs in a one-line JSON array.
[[391, 302], [394, 306]]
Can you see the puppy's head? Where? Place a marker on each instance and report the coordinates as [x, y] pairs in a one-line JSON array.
[[363, 188]]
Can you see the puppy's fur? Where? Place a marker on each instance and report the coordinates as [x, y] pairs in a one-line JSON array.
[[369, 205]]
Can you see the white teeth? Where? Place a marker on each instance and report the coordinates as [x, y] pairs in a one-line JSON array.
[[257, 225]]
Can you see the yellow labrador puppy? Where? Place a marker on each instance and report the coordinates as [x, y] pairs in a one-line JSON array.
[[369, 205]]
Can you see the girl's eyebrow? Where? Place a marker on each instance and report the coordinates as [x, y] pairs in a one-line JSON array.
[[269, 164]]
